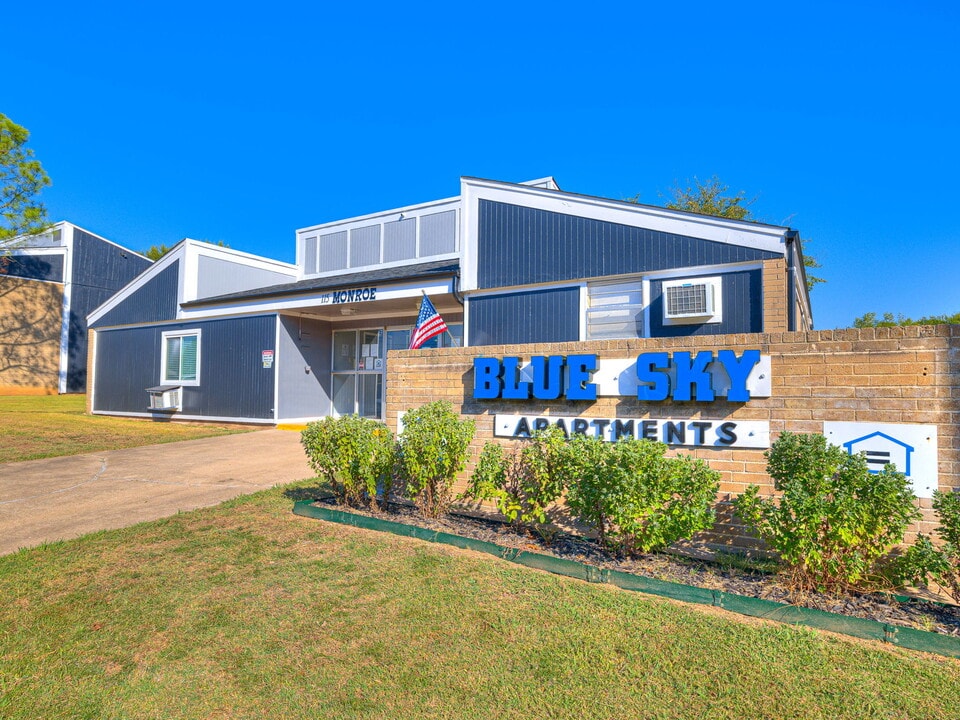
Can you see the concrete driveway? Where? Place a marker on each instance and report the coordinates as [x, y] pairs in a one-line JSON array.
[[59, 498]]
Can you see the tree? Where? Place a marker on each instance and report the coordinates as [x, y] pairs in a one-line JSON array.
[[155, 252], [21, 180], [712, 197], [870, 320]]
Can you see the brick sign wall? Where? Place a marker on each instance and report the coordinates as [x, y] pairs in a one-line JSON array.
[[883, 377]]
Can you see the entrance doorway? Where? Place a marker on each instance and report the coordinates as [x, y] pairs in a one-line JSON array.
[[358, 369], [360, 363]]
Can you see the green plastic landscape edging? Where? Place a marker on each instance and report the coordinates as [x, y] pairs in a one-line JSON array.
[[754, 607]]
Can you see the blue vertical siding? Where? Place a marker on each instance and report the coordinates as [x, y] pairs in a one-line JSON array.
[[522, 246], [525, 317], [233, 381], [33, 267], [154, 302], [127, 362], [742, 294], [101, 265], [100, 269]]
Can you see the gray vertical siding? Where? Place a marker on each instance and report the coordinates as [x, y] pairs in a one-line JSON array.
[[400, 240], [522, 246], [438, 233], [100, 269], [303, 361], [310, 255], [365, 246], [233, 381], [154, 302], [332, 251], [526, 317], [742, 294], [217, 276]]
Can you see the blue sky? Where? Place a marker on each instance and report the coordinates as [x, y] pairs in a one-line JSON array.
[[168, 120]]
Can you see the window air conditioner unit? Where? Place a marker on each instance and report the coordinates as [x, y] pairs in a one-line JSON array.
[[688, 300], [165, 398]]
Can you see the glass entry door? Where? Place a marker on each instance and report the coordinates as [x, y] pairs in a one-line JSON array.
[[358, 367]]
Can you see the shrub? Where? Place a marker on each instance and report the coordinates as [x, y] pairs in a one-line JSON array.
[[637, 499], [495, 478], [834, 519], [525, 483], [924, 561], [353, 454], [431, 450]]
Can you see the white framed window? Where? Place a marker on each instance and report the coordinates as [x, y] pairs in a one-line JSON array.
[[692, 301], [615, 310], [180, 357], [399, 338]]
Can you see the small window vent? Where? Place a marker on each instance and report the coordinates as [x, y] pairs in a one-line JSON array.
[[696, 300], [689, 300], [165, 398]]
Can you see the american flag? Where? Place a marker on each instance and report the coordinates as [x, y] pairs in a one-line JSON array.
[[429, 324]]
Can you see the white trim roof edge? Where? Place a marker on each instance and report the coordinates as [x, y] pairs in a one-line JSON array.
[[42, 250], [548, 180], [208, 248], [379, 214], [180, 251], [414, 208], [100, 237], [307, 299], [177, 252], [633, 208], [63, 224]]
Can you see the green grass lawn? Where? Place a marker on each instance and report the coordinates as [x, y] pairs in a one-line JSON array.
[[247, 611], [39, 426]]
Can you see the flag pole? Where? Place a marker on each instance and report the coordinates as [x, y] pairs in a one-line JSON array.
[[426, 300], [447, 331]]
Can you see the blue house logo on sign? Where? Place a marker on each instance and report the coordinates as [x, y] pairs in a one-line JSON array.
[[882, 450], [911, 448]]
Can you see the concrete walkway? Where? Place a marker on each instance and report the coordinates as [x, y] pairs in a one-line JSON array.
[[59, 498]]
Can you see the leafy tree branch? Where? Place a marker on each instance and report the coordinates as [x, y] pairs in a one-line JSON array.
[[713, 197], [22, 178]]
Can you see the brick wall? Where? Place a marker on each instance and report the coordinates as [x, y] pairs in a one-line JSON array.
[[775, 295], [30, 322], [890, 375]]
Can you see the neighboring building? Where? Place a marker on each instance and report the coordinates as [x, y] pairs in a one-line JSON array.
[[48, 285], [210, 333]]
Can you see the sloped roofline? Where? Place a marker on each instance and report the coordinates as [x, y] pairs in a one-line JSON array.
[[658, 210], [437, 268], [179, 252], [60, 224], [175, 253]]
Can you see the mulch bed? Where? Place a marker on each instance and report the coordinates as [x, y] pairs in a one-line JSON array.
[[711, 574]]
